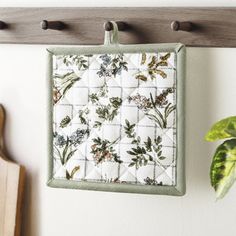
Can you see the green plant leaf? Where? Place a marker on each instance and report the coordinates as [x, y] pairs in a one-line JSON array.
[[223, 168], [225, 128]]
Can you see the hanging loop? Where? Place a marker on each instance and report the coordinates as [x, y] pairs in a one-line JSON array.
[[111, 37]]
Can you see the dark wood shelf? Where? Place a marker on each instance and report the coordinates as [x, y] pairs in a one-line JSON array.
[[212, 27]]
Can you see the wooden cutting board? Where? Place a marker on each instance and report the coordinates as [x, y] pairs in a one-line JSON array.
[[12, 178]]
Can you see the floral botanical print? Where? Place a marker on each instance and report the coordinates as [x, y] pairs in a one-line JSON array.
[[151, 107], [114, 118], [143, 154]]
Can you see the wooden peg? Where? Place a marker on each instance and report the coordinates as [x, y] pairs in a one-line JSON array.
[[3, 25], [53, 25], [121, 26], [183, 26]]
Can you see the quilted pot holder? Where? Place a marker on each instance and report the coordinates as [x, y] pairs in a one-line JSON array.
[[116, 117]]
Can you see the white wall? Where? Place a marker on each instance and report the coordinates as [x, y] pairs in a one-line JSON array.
[[211, 86]]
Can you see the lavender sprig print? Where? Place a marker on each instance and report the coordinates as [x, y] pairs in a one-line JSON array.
[[157, 109]]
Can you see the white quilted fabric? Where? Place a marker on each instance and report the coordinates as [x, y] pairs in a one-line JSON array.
[[114, 118]]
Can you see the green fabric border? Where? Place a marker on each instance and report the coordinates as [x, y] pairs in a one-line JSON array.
[[179, 189]]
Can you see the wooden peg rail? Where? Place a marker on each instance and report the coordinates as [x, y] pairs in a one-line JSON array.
[[196, 27]]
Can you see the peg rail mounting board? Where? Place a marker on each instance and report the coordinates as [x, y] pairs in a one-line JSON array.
[[212, 27]]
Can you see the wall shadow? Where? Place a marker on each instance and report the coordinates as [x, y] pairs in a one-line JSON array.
[[199, 118]]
